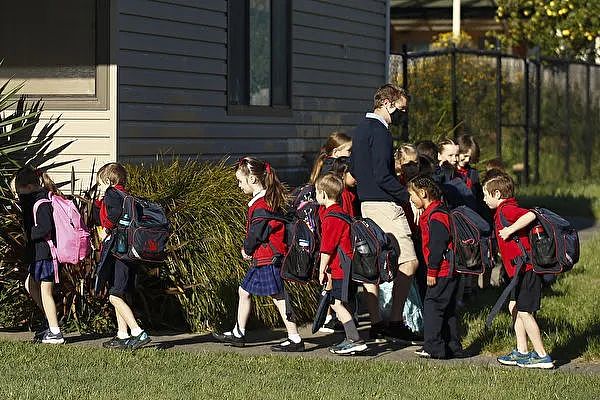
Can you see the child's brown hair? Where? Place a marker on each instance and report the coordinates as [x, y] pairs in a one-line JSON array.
[[404, 153], [495, 163], [335, 140], [445, 142], [332, 185], [276, 194], [113, 173], [466, 143], [427, 184], [30, 176], [501, 182]]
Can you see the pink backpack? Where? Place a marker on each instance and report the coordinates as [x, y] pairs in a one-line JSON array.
[[72, 235]]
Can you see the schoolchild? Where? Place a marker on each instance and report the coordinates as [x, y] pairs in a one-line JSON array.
[[404, 154], [338, 145], [34, 185], [264, 246], [120, 274]]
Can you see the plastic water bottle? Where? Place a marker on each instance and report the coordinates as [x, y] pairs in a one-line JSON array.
[[362, 247], [124, 223]]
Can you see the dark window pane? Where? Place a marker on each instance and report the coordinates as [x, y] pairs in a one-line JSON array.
[[260, 52]]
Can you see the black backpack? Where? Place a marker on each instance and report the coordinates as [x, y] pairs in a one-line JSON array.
[[554, 242], [375, 255], [473, 241], [147, 233]]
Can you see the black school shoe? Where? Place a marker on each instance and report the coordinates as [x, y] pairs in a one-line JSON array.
[[116, 343], [376, 332], [229, 338], [288, 346], [400, 333], [135, 342]]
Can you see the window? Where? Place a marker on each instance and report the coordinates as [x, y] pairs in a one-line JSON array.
[[59, 49], [259, 54]]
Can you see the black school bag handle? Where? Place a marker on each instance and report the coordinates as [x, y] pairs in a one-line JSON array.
[[520, 262]]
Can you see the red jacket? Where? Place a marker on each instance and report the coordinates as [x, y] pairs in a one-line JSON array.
[[510, 250], [109, 208], [334, 233], [436, 240], [265, 238]]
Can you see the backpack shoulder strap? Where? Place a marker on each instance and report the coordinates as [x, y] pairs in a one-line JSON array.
[[344, 217], [37, 205], [261, 213]]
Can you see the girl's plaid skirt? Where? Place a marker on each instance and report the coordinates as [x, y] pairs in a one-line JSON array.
[[263, 281]]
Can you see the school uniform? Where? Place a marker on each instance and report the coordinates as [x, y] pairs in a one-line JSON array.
[[441, 336], [265, 242], [119, 274], [37, 252], [528, 292], [335, 233]]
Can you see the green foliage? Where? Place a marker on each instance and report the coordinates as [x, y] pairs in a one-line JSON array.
[[204, 269], [581, 199], [151, 374], [561, 28]]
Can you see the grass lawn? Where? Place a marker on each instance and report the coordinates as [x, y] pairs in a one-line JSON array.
[[72, 372], [575, 199]]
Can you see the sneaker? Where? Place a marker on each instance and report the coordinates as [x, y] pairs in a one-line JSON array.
[[401, 333], [53, 338], [422, 353], [230, 338], [348, 347], [39, 335], [135, 342], [288, 346], [512, 358], [116, 343], [376, 333], [535, 361], [334, 325]]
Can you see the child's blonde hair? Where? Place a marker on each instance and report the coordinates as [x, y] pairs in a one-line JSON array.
[[113, 173], [332, 185], [335, 140], [404, 153], [276, 194], [443, 143], [30, 176]]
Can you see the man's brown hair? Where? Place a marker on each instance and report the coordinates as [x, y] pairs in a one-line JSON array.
[[390, 92], [332, 185], [113, 173], [501, 182]]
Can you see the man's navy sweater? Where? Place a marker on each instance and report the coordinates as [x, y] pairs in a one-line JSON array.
[[372, 163]]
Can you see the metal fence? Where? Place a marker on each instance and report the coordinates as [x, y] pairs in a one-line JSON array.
[[539, 115]]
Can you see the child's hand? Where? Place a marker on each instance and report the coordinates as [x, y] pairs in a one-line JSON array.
[[246, 256], [431, 281], [505, 233], [323, 278]]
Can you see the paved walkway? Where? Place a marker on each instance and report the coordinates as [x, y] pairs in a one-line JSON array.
[[316, 345]]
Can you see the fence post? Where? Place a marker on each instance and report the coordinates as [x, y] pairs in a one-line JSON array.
[[588, 126], [567, 135], [404, 134], [499, 103], [454, 90], [538, 117], [527, 118]]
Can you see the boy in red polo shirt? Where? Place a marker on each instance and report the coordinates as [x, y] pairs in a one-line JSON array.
[[511, 223], [335, 233]]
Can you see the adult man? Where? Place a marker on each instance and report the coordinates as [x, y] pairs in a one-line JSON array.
[[380, 194]]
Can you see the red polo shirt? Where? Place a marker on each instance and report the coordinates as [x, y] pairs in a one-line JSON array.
[[334, 233], [509, 250]]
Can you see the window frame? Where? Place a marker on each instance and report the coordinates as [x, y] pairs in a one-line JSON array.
[[238, 60]]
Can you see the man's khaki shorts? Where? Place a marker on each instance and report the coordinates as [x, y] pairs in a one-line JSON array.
[[391, 218]]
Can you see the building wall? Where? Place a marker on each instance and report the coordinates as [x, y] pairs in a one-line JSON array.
[[172, 58]]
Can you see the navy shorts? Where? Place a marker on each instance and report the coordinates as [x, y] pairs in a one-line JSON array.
[[42, 271], [263, 281], [122, 280], [528, 292]]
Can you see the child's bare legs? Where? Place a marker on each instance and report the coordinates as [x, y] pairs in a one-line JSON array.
[[532, 330], [244, 309], [345, 318], [125, 316], [48, 305], [34, 290], [520, 332], [372, 293], [291, 327]]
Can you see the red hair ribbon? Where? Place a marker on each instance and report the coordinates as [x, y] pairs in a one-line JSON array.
[[268, 168]]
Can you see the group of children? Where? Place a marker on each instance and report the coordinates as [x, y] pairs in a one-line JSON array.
[[438, 177]]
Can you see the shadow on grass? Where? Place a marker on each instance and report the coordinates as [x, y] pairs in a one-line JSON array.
[[579, 207]]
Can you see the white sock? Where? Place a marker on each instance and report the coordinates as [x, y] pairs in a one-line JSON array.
[[122, 335], [295, 338], [136, 331], [328, 318], [238, 332], [55, 330]]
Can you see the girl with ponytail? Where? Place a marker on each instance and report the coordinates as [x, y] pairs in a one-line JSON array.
[[338, 145], [264, 246], [33, 185]]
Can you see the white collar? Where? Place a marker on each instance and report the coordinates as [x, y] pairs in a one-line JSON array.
[[256, 197], [378, 117]]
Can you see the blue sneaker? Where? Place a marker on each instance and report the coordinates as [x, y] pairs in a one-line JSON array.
[[535, 361], [512, 358]]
